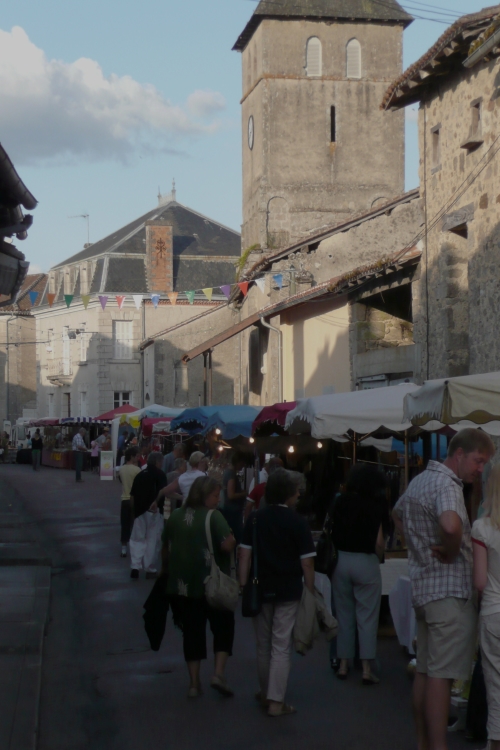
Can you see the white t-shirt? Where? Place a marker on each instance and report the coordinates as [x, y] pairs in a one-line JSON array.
[[186, 480], [488, 536]]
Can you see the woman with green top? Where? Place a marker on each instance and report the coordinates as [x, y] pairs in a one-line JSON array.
[[186, 549]]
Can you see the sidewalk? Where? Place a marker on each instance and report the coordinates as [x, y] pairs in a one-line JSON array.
[[25, 576]]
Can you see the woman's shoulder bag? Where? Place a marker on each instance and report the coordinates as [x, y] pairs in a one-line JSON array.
[[326, 552], [252, 593], [221, 591]]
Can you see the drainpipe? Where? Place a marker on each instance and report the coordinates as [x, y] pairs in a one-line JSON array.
[[7, 384], [280, 356]]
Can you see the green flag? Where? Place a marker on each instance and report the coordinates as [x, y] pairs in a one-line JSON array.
[[68, 298]]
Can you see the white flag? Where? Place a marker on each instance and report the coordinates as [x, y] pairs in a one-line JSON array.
[[137, 300], [261, 283]]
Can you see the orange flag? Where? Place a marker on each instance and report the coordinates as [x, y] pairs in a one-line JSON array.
[[173, 297], [50, 299], [243, 285], [120, 299]]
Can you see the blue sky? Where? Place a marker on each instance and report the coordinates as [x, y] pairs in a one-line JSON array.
[[107, 100]]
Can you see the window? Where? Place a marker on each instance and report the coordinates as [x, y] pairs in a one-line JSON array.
[[122, 339], [83, 348], [333, 126], [436, 145], [83, 404], [313, 57], [353, 55], [50, 405], [475, 138], [121, 398], [66, 358]]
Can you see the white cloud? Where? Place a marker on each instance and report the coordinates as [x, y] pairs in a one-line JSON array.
[[205, 103], [35, 268], [52, 110], [411, 114]]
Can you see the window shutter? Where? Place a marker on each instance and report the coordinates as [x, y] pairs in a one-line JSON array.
[[354, 59], [314, 61], [123, 339]]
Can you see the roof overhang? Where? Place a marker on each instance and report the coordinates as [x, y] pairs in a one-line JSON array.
[[372, 277]]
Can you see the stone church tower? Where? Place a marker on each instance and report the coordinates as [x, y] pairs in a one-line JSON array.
[[316, 145]]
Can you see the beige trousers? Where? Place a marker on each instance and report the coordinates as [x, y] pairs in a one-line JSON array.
[[489, 638], [273, 632]]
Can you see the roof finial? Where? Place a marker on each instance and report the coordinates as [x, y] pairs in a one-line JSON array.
[[159, 196], [174, 192]]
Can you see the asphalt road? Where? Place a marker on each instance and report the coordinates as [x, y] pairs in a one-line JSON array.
[[103, 689]]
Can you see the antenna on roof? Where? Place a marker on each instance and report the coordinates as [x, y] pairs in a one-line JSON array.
[[174, 191], [87, 217]]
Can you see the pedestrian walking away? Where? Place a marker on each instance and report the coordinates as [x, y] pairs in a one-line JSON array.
[[184, 481], [126, 475], [359, 516], [434, 520], [187, 557], [486, 551], [145, 540], [285, 552], [79, 448], [234, 496], [36, 450], [169, 459]]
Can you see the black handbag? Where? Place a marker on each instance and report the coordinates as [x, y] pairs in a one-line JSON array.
[[155, 615], [326, 552], [251, 604]]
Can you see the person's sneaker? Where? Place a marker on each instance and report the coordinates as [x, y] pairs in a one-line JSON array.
[[124, 551], [134, 573], [151, 573], [220, 684]]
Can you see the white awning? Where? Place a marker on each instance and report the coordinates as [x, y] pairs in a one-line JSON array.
[[467, 401], [378, 410]]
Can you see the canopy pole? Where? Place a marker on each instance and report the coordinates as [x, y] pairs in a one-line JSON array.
[[210, 377], [354, 449], [205, 385], [407, 460]]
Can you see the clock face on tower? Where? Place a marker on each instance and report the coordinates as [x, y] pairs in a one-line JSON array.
[[250, 132]]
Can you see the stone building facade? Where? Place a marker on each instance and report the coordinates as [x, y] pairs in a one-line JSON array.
[[315, 143], [456, 300]]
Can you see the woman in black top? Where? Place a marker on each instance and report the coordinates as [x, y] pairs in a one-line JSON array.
[[358, 519], [36, 450]]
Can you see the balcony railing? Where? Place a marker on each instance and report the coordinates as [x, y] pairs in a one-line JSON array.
[[59, 368]]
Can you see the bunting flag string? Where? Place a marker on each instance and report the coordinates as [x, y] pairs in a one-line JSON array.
[[278, 279], [85, 300], [226, 290], [243, 285], [208, 293], [50, 298], [190, 296], [103, 300], [137, 300], [155, 298], [33, 297], [120, 299], [68, 298], [173, 297], [261, 283]]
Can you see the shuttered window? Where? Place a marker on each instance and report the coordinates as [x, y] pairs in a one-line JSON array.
[[353, 59], [313, 57], [122, 338]]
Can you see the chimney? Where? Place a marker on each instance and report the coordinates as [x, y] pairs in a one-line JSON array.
[[159, 256]]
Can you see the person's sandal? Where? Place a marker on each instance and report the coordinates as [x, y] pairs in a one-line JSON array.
[[194, 692], [264, 703], [370, 679], [342, 675], [284, 710], [219, 683]]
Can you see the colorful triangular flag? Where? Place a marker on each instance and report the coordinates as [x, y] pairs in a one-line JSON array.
[[261, 283], [120, 299], [190, 296], [103, 300], [226, 290], [137, 300], [278, 280], [68, 298], [208, 293], [33, 296], [155, 298], [50, 298], [243, 285], [173, 297], [85, 300]]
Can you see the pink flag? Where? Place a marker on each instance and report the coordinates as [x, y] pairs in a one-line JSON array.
[[120, 299]]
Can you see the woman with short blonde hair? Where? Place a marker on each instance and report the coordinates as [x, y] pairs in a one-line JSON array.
[[486, 549]]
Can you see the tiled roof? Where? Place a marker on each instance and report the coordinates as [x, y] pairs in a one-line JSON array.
[[352, 10], [444, 57], [198, 274], [126, 275], [34, 282]]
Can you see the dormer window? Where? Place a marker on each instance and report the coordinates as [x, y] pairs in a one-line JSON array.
[[314, 62], [475, 137], [353, 54]]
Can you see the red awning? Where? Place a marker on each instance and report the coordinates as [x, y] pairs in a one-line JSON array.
[[148, 423], [109, 415], [273, 414]]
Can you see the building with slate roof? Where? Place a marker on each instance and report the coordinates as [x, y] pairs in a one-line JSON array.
[[91, 362], [18, 365]]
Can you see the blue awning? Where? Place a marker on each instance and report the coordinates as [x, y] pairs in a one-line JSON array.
[[232, 421]]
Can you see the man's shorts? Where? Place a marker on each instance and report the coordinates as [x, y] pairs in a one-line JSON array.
[[446, 638]]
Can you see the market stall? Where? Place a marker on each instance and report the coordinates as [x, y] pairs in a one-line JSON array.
[[135, 420]]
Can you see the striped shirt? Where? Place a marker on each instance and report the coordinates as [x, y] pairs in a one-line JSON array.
[[78, 442], [430, 494]]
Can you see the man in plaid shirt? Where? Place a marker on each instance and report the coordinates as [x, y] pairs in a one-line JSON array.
[[436, 526]]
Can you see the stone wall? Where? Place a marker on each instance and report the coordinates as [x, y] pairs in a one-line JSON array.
[[18, 370]]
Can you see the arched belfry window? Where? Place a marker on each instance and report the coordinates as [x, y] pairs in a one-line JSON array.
[[353, 59], [313, 57]]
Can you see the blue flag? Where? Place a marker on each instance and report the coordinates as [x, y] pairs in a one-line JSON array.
[[278, 280], [33, 297]]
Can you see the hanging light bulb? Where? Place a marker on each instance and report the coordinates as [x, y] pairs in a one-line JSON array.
[[320, 445], [217, 431], [291, 449], [221, 448], [252, 440]]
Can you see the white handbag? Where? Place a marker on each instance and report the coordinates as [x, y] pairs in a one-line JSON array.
[[221, 591]]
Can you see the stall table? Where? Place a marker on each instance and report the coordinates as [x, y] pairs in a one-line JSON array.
[[61, 458]]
